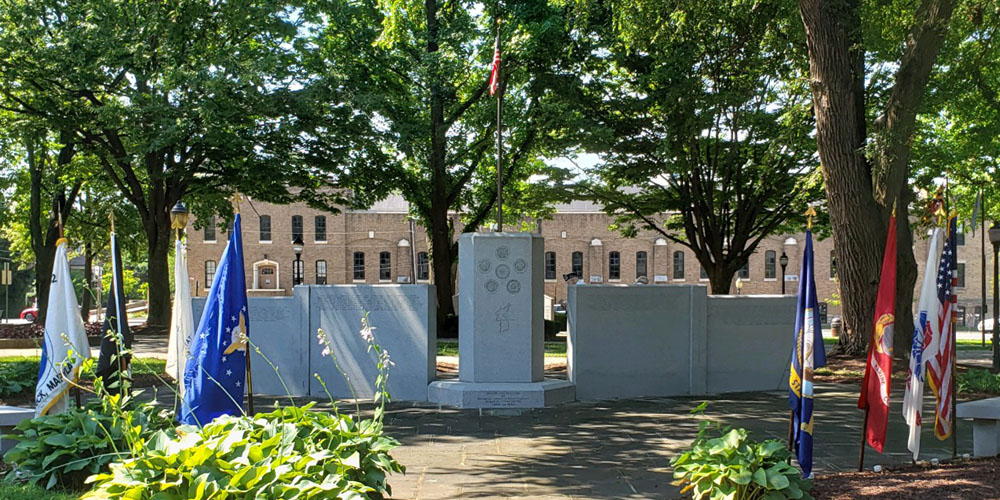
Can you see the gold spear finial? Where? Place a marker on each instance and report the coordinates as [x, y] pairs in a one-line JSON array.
[[111, 217], [235, 200], [810, 213]]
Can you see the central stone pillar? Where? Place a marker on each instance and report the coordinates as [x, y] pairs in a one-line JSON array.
[[501, 329]]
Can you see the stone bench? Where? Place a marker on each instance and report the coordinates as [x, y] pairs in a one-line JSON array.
[[985, 415], [9, 417]]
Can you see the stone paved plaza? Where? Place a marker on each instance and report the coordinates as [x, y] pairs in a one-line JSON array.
[[611, 449]]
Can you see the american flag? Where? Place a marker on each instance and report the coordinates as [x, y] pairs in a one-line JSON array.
[[495, 74], [940, 363]]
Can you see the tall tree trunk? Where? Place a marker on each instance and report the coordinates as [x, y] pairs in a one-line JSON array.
[[442, 257], [158, 237], [88, 279], [720, 279], [860, 193]]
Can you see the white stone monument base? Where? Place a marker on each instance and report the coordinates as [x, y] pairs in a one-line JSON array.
[[549, 392]]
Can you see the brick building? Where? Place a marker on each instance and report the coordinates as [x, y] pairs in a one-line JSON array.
[[375, 246]]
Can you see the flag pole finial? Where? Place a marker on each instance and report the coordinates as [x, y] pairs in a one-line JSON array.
[[810, 213], [111, 218], [235, 200]]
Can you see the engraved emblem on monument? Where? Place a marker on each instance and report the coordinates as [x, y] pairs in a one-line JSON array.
[[503, 322], [520, 265], [503, 271], [513, 286], [503, 252], [484, 265], [492, 286]]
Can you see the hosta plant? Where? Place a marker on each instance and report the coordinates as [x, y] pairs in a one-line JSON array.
[[63, 449], [287, 453], [731, 466]]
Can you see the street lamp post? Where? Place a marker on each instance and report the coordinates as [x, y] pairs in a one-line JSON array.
[[179, 218], [739, 285], [783, 260], [995, 240], [297, 272]]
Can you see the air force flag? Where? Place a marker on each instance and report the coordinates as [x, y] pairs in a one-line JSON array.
[[215, 375]]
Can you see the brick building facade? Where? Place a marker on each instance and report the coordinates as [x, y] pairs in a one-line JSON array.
[[375, 246]]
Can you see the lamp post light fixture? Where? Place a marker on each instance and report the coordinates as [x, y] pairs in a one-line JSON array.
[[995, 240], [297, 246], [179, 218], [739, 285], [783, 260]]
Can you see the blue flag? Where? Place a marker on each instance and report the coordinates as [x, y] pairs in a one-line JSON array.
[[215, 374], [808, 354]]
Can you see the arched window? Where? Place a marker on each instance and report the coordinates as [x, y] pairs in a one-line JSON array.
[[640, 265], [770, 271], [265, 228], [209, 231], [550, 265], [423, 266], [384, 266], [296, 227], [209, 273], [320, 223], [614, 266], [679, 265], [578, 264], [359, 266], [320, 272]]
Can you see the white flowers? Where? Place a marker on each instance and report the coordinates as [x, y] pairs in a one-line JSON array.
[[324, 340], [367, 330]]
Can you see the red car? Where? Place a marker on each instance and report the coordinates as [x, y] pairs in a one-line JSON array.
[[29, 314]]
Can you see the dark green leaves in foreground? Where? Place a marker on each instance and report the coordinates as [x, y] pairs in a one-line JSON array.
[[288, 453]]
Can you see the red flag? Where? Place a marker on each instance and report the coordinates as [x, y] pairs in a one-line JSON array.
[[495, 75], [878, 369]]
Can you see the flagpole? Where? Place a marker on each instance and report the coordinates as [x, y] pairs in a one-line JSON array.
[[236, 211], [982, 257], [861, 455], [499, 139], [791, 430], [954, 341]]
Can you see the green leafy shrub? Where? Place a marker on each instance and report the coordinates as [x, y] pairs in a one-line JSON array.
[[288, 453], [734, 467], [17, 375], [978, 381], [63, 449]]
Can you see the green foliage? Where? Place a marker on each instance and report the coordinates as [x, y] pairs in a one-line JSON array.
[[731, 466], [980, 381], [18, 375], [31, 492], [63, 449], [288, 453]]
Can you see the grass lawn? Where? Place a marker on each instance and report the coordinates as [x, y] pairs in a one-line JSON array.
[[552, 349], [963, 344], [28, 492]]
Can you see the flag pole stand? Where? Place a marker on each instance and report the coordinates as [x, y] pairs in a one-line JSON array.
[[861, 455]]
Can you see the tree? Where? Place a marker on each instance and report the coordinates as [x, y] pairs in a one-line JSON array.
[[865, 167], [406, 82], [703, 124], [173, 99]]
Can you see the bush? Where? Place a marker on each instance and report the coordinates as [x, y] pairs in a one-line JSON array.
[[288, 453], [978, 381], [733, 467], [63, 449], [17, 375]]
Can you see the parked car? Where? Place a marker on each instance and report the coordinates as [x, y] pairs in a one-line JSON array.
[[29, 314]]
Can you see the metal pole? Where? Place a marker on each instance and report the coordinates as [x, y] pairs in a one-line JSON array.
[[996, 306], [783, 267], [500, 91], [864, 430], [413, 250], [982, 255]]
